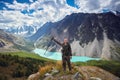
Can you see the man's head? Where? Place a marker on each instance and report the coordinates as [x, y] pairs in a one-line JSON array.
[[65, 40]]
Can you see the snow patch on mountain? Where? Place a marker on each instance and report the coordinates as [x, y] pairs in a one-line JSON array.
[[23, 31]]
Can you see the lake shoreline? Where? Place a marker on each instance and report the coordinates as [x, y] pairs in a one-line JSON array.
[[57, 56]]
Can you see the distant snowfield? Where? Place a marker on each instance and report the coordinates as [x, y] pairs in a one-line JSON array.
[[58, 56]]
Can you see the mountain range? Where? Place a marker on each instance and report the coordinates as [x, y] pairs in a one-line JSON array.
[[10, 42], [90, 34], [25, 31]]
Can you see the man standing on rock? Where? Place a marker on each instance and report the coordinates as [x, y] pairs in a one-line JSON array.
[[66, 53]]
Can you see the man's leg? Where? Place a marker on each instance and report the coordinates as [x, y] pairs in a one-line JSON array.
[[69, 63], [64, 63]]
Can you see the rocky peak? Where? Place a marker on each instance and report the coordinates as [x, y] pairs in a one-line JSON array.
[[90, 34], [2, 44]]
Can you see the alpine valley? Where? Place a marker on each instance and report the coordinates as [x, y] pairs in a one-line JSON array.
[[90, 34]]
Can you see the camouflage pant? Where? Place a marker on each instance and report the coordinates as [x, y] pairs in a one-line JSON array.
[[66, 60]]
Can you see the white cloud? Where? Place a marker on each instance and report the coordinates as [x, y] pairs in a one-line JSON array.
[[17, 6], [97, 5], [53, 10], [16, 19], [31, 0], [49, 10], [115, 5]]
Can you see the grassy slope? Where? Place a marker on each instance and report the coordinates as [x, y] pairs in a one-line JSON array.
[[19, 65], [25, 54]]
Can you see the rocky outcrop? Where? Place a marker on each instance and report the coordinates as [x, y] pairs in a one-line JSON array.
[[6, 41], [2, 44], [84, 73], [95, 73], [34, 76]]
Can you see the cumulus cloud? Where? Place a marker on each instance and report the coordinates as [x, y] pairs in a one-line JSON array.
[[17, 6], [44, 11], [31, 0], [15, 19], [96, 6], [115, 5], [49, 10]]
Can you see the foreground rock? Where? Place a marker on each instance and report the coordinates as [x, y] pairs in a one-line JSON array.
[[96, 73], [84, 73], [78, 73], [34, 76]]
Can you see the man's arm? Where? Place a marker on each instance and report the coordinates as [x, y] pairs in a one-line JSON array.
[[56, 41]]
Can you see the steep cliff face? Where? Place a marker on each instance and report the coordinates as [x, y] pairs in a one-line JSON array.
[[94, 35], [2, 44], [100, 34]]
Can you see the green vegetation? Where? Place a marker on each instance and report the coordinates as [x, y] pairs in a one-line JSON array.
[[110, 66], [25, 55], [28, 46], [20, 64]]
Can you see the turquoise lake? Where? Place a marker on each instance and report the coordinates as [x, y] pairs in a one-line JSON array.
[[57, 56]]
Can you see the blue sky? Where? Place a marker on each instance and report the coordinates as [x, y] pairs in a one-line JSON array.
[[20, 1], [18, 13], [72, 3], [2, 5]]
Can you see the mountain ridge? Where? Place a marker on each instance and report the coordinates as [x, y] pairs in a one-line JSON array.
[[11, 42], [90, 35]]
